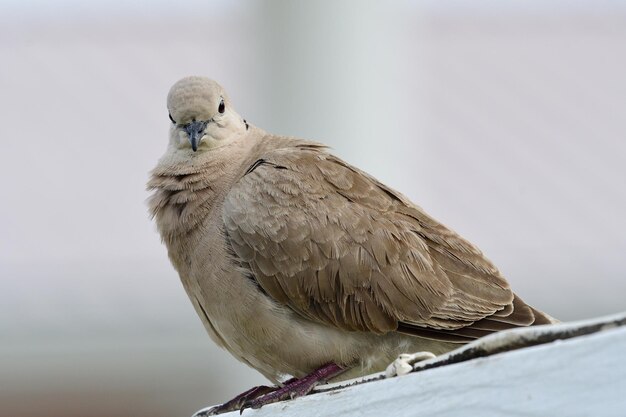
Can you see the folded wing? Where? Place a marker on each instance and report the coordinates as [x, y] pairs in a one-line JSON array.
[[340, 248]]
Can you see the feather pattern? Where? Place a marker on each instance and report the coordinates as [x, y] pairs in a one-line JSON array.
[[340, 248]]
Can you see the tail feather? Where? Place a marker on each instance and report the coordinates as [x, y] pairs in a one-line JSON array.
[[516, 314]]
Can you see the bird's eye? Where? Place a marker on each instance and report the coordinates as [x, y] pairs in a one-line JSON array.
[[170, 115], [221, 107]]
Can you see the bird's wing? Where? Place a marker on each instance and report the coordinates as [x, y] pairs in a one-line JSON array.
[[338, 247]]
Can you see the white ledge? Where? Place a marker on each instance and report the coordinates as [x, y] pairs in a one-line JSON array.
[[573, 369]]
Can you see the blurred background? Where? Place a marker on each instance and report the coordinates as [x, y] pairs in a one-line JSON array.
[[504, 120]]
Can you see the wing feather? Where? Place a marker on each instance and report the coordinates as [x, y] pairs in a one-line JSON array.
[[341, 248]]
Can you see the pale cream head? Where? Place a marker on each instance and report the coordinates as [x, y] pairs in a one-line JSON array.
[[202, 115]]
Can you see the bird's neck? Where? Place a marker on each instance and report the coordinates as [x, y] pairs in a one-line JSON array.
[[186, 190]]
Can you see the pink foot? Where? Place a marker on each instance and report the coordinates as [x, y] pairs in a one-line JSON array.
[[295, 387], [238, 402]]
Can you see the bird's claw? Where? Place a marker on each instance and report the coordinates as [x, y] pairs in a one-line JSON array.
[[237, 403], [262, 395], [404, 363], [296, 389]]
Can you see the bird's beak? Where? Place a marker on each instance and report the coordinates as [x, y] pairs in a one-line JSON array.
[[195, 130]]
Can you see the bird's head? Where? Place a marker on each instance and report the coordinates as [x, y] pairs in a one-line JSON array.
[[201, 114]]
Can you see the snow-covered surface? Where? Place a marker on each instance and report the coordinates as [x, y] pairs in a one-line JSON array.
[[582, 375]]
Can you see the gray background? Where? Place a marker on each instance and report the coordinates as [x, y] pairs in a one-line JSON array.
[[505, 120]]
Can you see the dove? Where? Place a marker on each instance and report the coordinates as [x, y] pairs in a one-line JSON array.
[[303, 266]]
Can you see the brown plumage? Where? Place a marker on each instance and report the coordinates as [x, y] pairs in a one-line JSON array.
[[293, 258]]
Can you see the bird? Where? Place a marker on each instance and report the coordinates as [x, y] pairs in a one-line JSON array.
[[305, 267]]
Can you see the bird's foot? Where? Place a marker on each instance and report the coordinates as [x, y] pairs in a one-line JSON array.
[[236, 403], [296, 387], [404, 363]]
